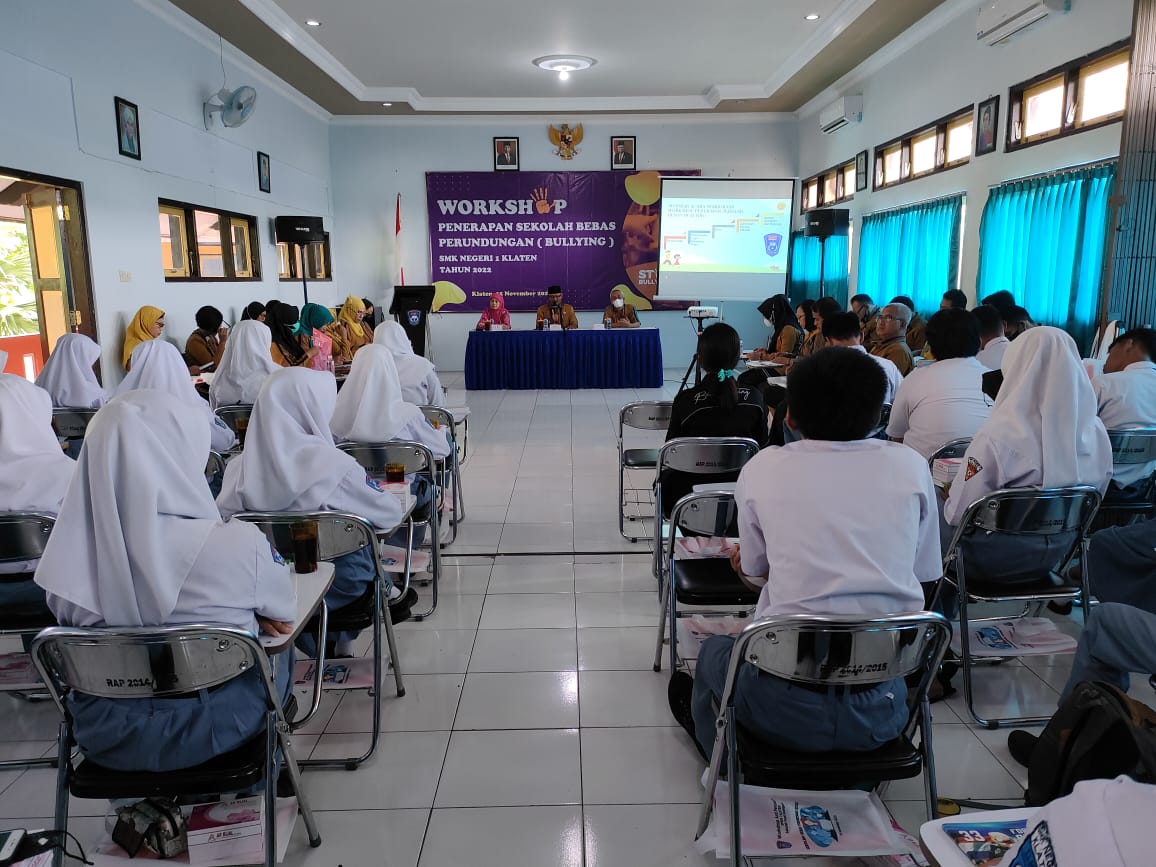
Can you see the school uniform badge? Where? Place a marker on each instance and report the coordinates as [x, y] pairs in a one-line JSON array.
[[973, 467]]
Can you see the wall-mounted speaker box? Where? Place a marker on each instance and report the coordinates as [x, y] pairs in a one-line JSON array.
[[299, 230], [827, 223]]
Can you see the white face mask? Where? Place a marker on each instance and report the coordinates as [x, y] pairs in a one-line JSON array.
[[766, 322], [619, 303]]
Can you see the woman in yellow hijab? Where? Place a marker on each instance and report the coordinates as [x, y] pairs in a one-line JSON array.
[[352, 313], [147, 324]]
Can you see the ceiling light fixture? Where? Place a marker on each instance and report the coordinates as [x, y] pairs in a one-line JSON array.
[[387, 104], [564, 64], [312, 22], [814, 16]]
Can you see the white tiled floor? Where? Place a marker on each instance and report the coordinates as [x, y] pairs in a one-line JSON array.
[[534, 732]]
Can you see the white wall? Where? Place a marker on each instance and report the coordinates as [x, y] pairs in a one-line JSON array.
[[61, 64], [373, 161], [948, 70]]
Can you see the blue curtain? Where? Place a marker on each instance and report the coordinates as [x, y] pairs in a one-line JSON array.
[[1044, 240], [804, 274], [912, 251]]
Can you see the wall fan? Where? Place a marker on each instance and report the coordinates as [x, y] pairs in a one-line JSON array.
[[235, 106]]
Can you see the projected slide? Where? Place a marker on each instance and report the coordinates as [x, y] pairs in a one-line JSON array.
[[715, 236]]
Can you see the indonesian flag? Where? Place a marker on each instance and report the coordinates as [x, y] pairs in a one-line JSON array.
[[400, 269]]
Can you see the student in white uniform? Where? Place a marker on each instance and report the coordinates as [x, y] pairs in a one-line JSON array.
[[843, 329], [993, 344], [245, 364], [68, 375], [290, 464], [859, 546], [419, 381], [35, 478], [1126, 394], [945, 400], [157, 364], [139, 542]]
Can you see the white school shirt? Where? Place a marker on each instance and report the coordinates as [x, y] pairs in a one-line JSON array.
[[991, 356], [939, 403], [858, 543], [894, 377], [425, 392], [1126, 399], [235, 577]]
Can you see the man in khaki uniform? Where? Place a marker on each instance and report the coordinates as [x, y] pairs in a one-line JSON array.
[[864, 307], [890, 333]]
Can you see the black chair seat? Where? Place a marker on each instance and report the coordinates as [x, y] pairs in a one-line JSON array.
[[243, 768], [640, 458], [355, 616], [710, 582], [1046, 585], [25, 618], [767, 765]]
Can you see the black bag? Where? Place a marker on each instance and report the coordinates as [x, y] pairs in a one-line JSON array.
[[1098, 733]]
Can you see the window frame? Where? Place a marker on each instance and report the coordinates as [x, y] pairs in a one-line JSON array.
[[940, 129], [285, 255], [1071, 75], [178, 214], [186, 211], [836, 174]]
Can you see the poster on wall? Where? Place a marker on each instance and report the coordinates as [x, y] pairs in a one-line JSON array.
[[517, 233]]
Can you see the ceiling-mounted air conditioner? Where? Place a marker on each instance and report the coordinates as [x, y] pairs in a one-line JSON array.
[[1000, 20], [845, 110]]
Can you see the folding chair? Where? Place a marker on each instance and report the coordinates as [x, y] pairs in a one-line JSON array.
[[821, 651], [1030, 535], [338, 534], [167, 662], [417, 459], [701, 456], [23, 536], [230, 413], [954, 449], [215, 470], [710, 582], [70, 423], [449, 471], [1130, 448], [880, 432], [651, 415]]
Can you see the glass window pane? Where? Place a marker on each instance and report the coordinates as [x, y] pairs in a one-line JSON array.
[[813, 194], [1103, 90], [242, 255], [959, 140], [923, 153], [829, 188], [173, 258], [208, 226], [315, 262], [849, 181], [1044, 108], [892, 164], [283, 261]]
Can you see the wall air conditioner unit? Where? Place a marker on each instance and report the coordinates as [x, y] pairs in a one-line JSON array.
[[1000, 20], [845, 110]]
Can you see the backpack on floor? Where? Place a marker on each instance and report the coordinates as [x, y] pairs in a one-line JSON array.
[[1098, 733]]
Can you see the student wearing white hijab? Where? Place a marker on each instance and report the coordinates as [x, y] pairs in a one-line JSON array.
[[291, 464], [245, 364], [139, 542], [157, 364], [68, 375], [35, 478], [419, 382]]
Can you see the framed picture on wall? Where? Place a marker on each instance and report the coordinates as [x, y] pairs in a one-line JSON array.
[[505, 154], [127, 128], [860, 171], [263, 172], [622, 153], [986, 126]]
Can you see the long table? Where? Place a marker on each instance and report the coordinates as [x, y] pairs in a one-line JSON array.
[[614, 358]]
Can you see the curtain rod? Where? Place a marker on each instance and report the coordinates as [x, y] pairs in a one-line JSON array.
[[960, 193], [1055, 173]]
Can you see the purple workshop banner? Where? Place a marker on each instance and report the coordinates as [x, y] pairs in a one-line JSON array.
[[519, 232]]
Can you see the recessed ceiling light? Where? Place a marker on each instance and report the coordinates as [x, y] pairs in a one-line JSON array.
[[564, 64], [814, 16], [312, 22], [387, 104]]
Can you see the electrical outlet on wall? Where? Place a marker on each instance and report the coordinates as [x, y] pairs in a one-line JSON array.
[[126, 276]]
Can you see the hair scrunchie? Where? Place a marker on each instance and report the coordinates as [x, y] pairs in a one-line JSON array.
[[724, 375]]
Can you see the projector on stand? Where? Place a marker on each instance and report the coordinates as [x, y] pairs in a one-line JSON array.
[[702, 312]]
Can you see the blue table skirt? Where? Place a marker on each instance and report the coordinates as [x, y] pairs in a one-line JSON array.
[[623, 358]]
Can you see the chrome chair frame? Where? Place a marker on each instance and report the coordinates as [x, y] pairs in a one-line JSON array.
[[449, 471], [789, 647], [332, 530], [417, 459], [703, 455], [71, 422], [214, 467], [951, 449], [1132, 446], [1031, 512], [230, 412], [23, 536], [704, 513], [647, 415], [121, 664]]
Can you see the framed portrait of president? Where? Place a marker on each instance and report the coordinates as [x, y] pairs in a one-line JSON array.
[[506, 155], [622, 153]]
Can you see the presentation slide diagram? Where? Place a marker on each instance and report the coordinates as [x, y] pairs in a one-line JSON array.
[[717, 236]]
